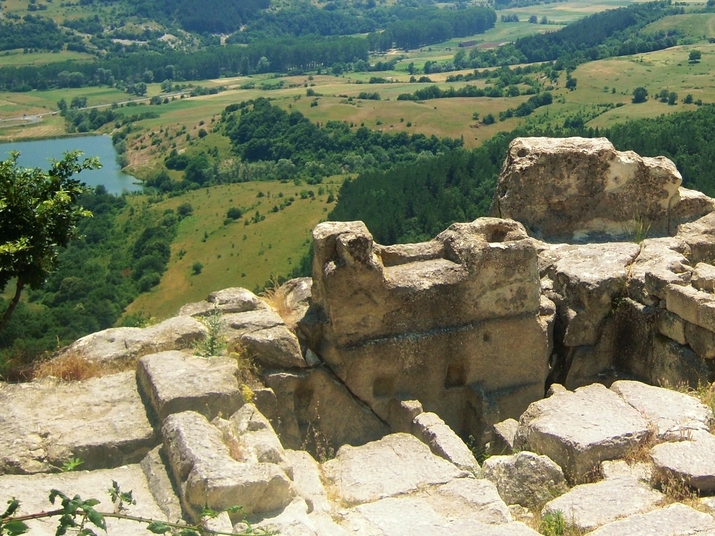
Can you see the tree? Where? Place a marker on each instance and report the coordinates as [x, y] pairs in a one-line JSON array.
[[672, 98], [533, 19], [640, 94], [38, 216], [694, 56], [571, 83]]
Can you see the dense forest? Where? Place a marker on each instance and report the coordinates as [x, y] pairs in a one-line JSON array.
[[123, 253], [615, 32], [260, 131]]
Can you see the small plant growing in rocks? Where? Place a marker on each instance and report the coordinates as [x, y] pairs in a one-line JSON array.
[[214, 343]]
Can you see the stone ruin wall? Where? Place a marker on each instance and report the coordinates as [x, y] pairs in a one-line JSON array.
[[477, 323]]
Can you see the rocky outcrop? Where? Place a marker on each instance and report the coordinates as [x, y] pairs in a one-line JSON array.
[[455, 322], [378, 370], [583, 189]]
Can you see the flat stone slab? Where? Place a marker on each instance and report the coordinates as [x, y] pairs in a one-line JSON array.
[[674, 520], [589, 506], [692, 461], [33, 492], [175, 381], [673, 414], [394, 465], [100, 420], [580, 429], [407, 516]]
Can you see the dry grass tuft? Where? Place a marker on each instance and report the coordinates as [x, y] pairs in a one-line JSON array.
[[75, 367], [277, 298], [675, 489]]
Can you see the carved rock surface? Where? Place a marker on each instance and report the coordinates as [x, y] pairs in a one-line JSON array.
[[580, 188], [454, 323], [580, 429], [100, 420]]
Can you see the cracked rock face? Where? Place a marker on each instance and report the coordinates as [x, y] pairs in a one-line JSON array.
[[581, 188]]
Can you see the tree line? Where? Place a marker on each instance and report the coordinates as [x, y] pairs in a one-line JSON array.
[[414, 203], [213, 62], [615, 32]]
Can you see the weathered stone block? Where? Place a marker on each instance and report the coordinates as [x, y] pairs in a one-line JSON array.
[[525, 478], [674, 415], [672, 326], [394, 465], [208, 475], [442, 441], [691, 460], [589, 506], [673, 520], [175, 382]]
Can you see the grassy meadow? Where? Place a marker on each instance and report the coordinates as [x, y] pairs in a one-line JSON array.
[[237, 253]]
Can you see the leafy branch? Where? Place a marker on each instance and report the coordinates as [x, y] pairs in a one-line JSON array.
[[76, 513]]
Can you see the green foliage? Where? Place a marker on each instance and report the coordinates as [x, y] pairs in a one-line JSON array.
[[78, 515], [71, 464], [553, 524], [214, 343], [196, 268], [415, 202], [694, 56], [261, 132], [39, 214], [640, 94]]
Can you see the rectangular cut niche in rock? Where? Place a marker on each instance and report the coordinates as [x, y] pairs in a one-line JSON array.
[[425, 321]]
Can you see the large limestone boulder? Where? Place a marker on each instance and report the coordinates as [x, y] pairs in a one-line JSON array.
[[46, 422], [581, 188], [174, 382], [207, 474], [525, 478], [580, 429], [454, 323], [117, 346]]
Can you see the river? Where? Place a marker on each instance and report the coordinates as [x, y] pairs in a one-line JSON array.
[[36, 154]]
